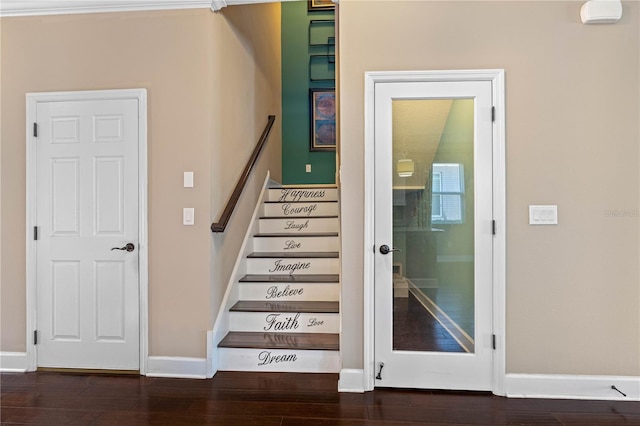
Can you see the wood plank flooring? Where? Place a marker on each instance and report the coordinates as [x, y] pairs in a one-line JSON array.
[[278, 399], [298, 341], [290, 278], [295, 254], [284, 234], [415, 329], [301, 306]]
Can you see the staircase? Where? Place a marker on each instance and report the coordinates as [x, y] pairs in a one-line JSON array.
[[287, 314]]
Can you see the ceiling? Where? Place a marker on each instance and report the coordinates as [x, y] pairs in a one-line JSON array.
[[418, 125]]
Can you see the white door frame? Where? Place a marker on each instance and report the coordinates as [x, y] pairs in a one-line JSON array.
[[98, 95], [499, 207]]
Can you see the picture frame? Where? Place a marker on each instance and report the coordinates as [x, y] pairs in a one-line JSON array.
[[322, 105], [314, 5]]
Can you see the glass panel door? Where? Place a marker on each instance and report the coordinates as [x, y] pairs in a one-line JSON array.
[[433, 225], [433, 234]]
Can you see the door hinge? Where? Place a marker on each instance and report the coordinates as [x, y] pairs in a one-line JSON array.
[[493, 341], [35, 130], [35, 337], [493, 113], [35, 233], [493, 227]]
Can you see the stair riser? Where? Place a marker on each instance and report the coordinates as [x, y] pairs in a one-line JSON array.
[[278, 360], [300, 209], [302, 194], [280, 266], [298, 226], [284, 322], [290, 292], [295, 243]]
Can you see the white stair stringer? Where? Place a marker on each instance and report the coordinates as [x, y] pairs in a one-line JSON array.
[[285, 311]]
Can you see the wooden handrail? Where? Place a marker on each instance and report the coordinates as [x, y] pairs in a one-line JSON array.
[[242, 181]]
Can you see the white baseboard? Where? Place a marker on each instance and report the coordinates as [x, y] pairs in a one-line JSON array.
[[177, 367], [212, 359], [351, 380], [14, 362], [572, 386], [560, 386]]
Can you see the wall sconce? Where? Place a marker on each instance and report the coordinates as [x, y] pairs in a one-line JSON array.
[[405, 168]]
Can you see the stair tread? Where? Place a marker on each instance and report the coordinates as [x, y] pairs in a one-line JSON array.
[[261, 340], [291, 278], [303, 306], [284, 234], [295, 254], [300, 217], [321, 186], [300, 202]]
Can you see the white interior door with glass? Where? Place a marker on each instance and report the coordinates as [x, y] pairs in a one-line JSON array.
[[433, 235]]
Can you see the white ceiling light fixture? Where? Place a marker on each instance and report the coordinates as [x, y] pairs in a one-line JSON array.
[[601, 12], [405, 168]]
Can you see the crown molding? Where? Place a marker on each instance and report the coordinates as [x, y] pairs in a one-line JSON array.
[[219, 4], [10, 8]]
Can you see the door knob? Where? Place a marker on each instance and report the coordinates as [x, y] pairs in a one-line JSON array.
[[384, 249], [129, 247]]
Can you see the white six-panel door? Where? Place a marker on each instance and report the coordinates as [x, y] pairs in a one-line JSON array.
[[87, 203]]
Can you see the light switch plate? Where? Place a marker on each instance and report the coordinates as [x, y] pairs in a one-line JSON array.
[[188, 179], [188, 216], [543, 215]]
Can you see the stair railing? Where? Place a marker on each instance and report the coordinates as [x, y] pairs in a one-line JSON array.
[[242, 180]]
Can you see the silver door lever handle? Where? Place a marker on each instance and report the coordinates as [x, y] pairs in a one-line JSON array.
[[384, 249], [129, 247]]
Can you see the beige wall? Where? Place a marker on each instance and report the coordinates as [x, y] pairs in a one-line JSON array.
[[252, 93], [209, 93], [572, 92]]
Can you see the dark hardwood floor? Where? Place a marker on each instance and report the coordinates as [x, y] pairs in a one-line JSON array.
[[415, 329], [232, 398]]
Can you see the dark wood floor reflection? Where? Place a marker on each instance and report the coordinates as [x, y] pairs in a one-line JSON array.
[[415, 329], [275, 399]]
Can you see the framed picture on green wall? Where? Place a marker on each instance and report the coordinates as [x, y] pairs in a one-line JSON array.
[[320, 5], [323, 119]]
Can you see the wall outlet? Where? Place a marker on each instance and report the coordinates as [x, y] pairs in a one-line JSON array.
[[543, 215], [308, 168]]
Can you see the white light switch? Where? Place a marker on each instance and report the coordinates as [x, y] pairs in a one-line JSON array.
[[543, 215], [188, 216], [307, 168], [188, 179]]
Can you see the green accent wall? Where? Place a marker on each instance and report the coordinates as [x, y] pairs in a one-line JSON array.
[[295, 98]]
